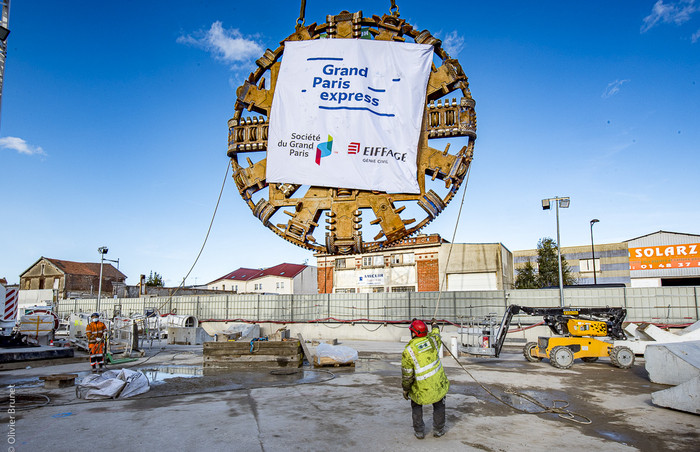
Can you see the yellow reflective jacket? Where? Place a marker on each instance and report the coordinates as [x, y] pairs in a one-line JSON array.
[[421, 370]]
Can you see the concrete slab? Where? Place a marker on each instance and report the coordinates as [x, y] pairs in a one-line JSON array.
[[657, 334], [642, 335], [694, 328], [9, 355], [673, 363], [360, 408], [684, 397]]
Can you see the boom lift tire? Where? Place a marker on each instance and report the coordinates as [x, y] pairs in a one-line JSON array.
[[527, 352], [561, 357], [622, 357], [589, 359]]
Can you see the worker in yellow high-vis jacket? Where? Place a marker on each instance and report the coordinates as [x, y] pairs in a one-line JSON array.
[[423, 378]]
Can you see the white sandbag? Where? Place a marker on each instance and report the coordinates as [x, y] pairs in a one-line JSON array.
[[338, 353], [36, 325]]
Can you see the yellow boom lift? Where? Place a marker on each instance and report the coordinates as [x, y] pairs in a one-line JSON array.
[[577, 332]]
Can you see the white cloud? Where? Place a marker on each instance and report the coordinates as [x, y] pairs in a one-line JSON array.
[[21, 146], [677, 13], [613, 88], [227, 45], [695, 37], [453, 43]]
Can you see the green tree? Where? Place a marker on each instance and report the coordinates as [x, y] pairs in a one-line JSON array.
[[154, 280], [527, 277], [548, 265]]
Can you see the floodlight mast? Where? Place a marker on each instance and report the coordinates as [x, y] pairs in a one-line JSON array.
[[562, 202], [4, 32], [102, 250], [593, 221]]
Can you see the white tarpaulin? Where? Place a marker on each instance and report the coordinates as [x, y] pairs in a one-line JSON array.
[[347, 113], [113, 384]]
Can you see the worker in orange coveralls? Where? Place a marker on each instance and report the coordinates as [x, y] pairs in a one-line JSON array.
[[95, 331]]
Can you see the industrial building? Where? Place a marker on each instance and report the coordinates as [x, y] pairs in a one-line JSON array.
[[664, 259], [611, 262], [420, 264], [653, 260]]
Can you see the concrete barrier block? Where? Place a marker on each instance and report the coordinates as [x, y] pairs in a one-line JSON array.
[[658, 334], [684, 397], [692, 332], [673, 363]]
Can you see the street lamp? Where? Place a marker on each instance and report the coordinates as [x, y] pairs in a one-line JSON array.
[[593, 221], [564, 204], [102, 250]]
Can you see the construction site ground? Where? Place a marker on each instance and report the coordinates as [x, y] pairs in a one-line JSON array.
[[344, 408]]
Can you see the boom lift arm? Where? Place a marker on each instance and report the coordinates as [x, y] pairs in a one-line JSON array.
[[569, 322]]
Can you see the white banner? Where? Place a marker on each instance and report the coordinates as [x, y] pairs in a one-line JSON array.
[[347, 113], [370, 278]]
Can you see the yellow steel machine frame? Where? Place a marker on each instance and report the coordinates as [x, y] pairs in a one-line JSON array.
[[576, 332]]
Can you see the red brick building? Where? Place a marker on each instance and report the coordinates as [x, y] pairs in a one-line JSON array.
[[418, 264]]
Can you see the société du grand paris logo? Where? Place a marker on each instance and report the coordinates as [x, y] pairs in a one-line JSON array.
[[326, 149]]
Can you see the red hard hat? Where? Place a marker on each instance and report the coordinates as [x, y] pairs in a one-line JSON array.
[[418, 328]]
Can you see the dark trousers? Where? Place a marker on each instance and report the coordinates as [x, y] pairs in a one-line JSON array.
[[438, 415]]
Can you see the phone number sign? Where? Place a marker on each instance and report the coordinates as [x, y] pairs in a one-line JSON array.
[[663, 257]]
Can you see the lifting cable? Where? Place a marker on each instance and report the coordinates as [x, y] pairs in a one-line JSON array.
[[454, 233], [302, 13], [182, 284], [558, 407], [394, 9]]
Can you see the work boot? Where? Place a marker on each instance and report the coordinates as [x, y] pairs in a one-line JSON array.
[[419, 435], [438, 433]]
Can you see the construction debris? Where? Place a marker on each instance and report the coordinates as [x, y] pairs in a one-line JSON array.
[[282, 334], [238, 331]]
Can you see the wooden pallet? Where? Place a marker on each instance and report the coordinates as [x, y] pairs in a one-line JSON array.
[[330, 362], [265, 354]]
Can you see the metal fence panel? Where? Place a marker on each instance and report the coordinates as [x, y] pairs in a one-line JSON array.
[[654, 304]]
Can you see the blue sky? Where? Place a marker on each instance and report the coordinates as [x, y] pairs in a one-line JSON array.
[[114, 125]]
